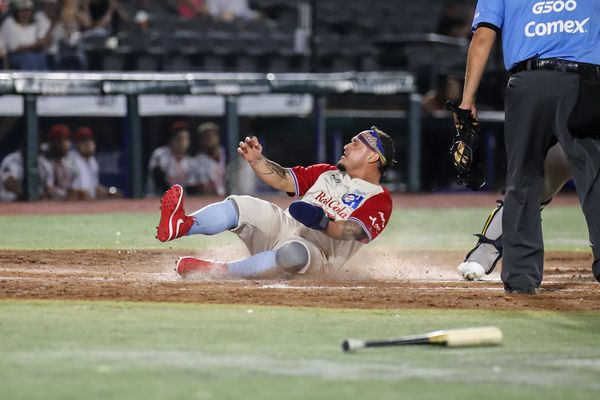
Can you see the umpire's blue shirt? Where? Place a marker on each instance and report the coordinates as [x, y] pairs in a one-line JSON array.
[[567, 29]]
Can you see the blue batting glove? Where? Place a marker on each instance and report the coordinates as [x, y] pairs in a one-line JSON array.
[[312, 216]]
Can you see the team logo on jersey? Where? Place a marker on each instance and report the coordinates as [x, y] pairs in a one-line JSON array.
[[336, 178], [353, 200], [572, 26]]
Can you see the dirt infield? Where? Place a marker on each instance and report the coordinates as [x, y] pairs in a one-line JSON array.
[[418, 281], [396, 279]]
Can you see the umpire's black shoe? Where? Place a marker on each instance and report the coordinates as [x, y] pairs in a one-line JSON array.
[[596, 270], [509, 290]]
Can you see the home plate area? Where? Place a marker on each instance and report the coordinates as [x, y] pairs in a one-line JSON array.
[[395, 280]]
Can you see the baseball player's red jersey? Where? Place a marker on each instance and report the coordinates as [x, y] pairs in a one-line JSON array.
[[344, 198]]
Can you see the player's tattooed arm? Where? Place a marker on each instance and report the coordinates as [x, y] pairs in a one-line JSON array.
[[270, 167], [345, 230], [268, 171]]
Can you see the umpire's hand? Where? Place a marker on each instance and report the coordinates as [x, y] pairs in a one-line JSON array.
[[465, 106]]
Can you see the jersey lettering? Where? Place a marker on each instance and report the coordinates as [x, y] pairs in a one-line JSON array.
[[533, 29], [545, 7], [333, 204]]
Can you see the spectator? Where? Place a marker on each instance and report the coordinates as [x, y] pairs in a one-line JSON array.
[[64, 52], [86, 184], [4, 8], [210, 162], [47, 22], [455, 20], [100, 12], [142, 20], [449, 87], [119, 18], [63, 167], [3, 54], [171, 164], [231, 10], [106, 16], [12, 177], [25, 43], [190, 9], [74, 17]]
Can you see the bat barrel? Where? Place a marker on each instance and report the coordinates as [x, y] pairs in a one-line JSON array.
[[484, 336]]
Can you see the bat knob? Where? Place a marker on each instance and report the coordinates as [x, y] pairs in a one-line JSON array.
[[345, 346], [352, 344]]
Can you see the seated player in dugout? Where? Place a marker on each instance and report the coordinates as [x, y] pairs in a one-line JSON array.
[[86, 184], [171, 164], [342, 207], [12, 176], [62, 167], [210, 161]]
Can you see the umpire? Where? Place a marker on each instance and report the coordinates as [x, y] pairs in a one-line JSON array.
[[552, 52]]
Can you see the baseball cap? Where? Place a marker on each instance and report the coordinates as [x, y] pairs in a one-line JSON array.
[[83, 133], [23, 4], [208, 126], [59, 132], [178, 126]]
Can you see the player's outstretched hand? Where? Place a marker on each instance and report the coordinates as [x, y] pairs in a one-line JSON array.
[[312, 216], [250, 149]]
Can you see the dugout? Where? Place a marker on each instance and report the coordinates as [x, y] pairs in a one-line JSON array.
[[132, 97]]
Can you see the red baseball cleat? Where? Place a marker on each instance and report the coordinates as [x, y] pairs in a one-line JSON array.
[[173, 221], [190, 265]]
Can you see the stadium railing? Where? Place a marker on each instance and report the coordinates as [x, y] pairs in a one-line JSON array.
[[31, 85]]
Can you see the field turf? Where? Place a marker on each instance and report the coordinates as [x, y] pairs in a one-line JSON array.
[[100, 350], [97, 350], [423, 228]]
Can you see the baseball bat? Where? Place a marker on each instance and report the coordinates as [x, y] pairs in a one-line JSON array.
[[483, 336]]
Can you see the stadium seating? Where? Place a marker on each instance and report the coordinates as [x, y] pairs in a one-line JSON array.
[[352, 35]]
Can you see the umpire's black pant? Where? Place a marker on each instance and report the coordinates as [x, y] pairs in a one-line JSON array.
[[538, 104]]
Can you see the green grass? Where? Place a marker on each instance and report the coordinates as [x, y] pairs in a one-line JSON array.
[[98, 350], [447, 229]]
